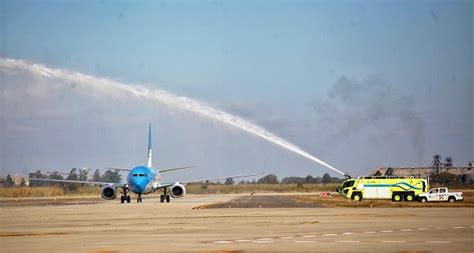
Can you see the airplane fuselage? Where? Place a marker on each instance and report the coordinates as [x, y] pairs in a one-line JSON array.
[[142, 180]]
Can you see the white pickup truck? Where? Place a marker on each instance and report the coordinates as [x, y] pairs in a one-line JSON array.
[[440, 194]]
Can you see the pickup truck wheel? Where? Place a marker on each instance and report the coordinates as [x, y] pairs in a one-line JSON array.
[[423, 200], [451, 199]]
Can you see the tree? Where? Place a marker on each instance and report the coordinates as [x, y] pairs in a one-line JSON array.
[[389, 172], [112, 177], [229, 181], [9, 182], [309, 179], [96, 177], [22, 182], [269, 179], [35, 183], [377, 173], [326, 178], [83, 174], [72, 176]]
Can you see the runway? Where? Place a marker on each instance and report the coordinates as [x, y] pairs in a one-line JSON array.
[[152, 226]]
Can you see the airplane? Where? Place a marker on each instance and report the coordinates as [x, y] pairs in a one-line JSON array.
[[142, 180]]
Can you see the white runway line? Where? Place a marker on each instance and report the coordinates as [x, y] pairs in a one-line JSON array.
[[304, 241], [223, 242], [309, 236], [242, 240], [287, 237], [369, 232], [263, 241], [440, 228], [329, 234], [347, 233], [422, 229], [387, 231], [444, 242], [392, 241], [348, 241], [456, 227], [406, 230]]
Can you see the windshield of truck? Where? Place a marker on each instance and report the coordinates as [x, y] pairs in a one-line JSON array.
[[348, 183], [434, 191]]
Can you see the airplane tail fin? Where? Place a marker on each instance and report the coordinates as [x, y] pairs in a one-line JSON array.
[[149, 164]]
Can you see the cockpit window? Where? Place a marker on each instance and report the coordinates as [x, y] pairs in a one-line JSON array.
[[141, 175], [135, 175]]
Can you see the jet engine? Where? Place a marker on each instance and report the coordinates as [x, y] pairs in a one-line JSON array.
[[178, 190], [108, 192]]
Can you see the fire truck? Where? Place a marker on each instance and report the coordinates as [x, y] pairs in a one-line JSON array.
[[387, 187]]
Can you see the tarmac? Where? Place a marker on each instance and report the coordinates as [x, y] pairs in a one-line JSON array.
[[108, 226]]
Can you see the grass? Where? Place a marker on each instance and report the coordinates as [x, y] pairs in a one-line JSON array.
[[27, 192]]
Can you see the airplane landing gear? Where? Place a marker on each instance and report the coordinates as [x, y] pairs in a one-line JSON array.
[[164, 197], [124, 197], [139, 198]]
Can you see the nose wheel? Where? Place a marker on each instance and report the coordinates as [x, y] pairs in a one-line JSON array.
[[139, 198]]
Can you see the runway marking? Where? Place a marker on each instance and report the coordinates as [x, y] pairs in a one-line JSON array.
[[243, 240], [422, 229], [348, 241], [456, 227], [304, 241], [392, 241], [309, 236], [328, 234], [347, 233], [287, 237], [438, 242], [387, 231], [223, 242], [472, 226], [406, 229], [369, 232], [440, 228], [263, 241]]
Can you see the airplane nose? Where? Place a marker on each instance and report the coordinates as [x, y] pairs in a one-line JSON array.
[[139, 187]]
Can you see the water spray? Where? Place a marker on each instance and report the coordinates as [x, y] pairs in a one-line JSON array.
[[112, 88]]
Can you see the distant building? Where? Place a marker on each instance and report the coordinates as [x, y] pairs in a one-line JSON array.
[[422, 171]]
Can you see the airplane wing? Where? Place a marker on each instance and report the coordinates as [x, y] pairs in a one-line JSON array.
[[122, 185], [173, 169], [212, 179], [108, 168]]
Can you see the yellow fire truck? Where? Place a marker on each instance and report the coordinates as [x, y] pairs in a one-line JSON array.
[[394, 188]]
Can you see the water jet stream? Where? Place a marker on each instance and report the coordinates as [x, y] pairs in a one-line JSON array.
[[113, 88]]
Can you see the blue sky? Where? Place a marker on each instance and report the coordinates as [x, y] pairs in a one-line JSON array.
[[274, 63]]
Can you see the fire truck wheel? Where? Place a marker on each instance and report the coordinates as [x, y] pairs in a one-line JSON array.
[[409, 197], [397, 197]]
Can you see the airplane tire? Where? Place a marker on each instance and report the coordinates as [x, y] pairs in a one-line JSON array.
[[167, 198], [162, 198], [122, 199], [128, 199]]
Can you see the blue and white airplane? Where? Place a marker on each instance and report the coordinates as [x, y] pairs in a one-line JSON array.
[[143, 179]]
